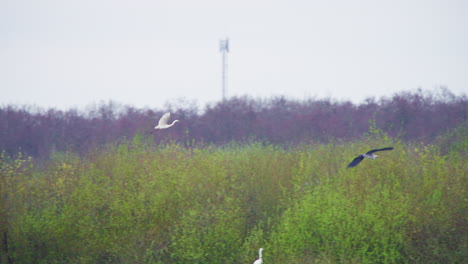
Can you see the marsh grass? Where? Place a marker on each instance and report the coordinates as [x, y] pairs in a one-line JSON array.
[[136, 202]]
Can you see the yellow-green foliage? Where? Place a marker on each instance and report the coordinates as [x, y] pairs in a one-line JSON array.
[[143, 203]]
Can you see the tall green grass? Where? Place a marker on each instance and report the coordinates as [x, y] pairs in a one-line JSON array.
[[137, 202]]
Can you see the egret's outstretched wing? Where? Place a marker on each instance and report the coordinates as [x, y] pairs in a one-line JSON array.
[[355, 161], [164, 119], [375, 150]]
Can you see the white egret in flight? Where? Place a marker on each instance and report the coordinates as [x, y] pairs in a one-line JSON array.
[[369, 154], [259, 260], [162, 124]]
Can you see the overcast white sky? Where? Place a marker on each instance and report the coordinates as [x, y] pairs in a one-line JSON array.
[[64, 53]]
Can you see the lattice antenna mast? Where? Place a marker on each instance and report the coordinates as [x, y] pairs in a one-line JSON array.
[[224, 49]]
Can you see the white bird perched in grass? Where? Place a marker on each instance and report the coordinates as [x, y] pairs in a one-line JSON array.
[[162, 124], [259, 260]]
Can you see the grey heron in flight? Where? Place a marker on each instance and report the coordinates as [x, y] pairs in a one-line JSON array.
[[163, 122], [369, 154]]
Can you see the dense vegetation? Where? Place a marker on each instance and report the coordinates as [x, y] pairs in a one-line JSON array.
[[141, 202], [99, 187], [419, 116]]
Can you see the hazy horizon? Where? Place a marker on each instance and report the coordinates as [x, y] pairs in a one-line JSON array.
[[149, 53]]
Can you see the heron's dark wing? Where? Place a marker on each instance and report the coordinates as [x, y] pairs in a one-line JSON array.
[[355, 161], [375, 150]]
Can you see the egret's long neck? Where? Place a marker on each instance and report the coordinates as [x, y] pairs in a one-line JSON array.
[[260, 253]]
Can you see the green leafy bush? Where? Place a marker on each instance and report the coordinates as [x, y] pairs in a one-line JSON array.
[[137, 202]]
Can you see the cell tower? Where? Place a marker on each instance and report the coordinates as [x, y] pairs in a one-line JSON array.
[[224, 49]]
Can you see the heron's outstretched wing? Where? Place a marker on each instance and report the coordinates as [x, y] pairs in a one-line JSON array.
[[164, 119], [355, 161], [375, 150]]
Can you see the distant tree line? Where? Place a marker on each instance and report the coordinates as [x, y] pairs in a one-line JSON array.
[[412, 116]]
